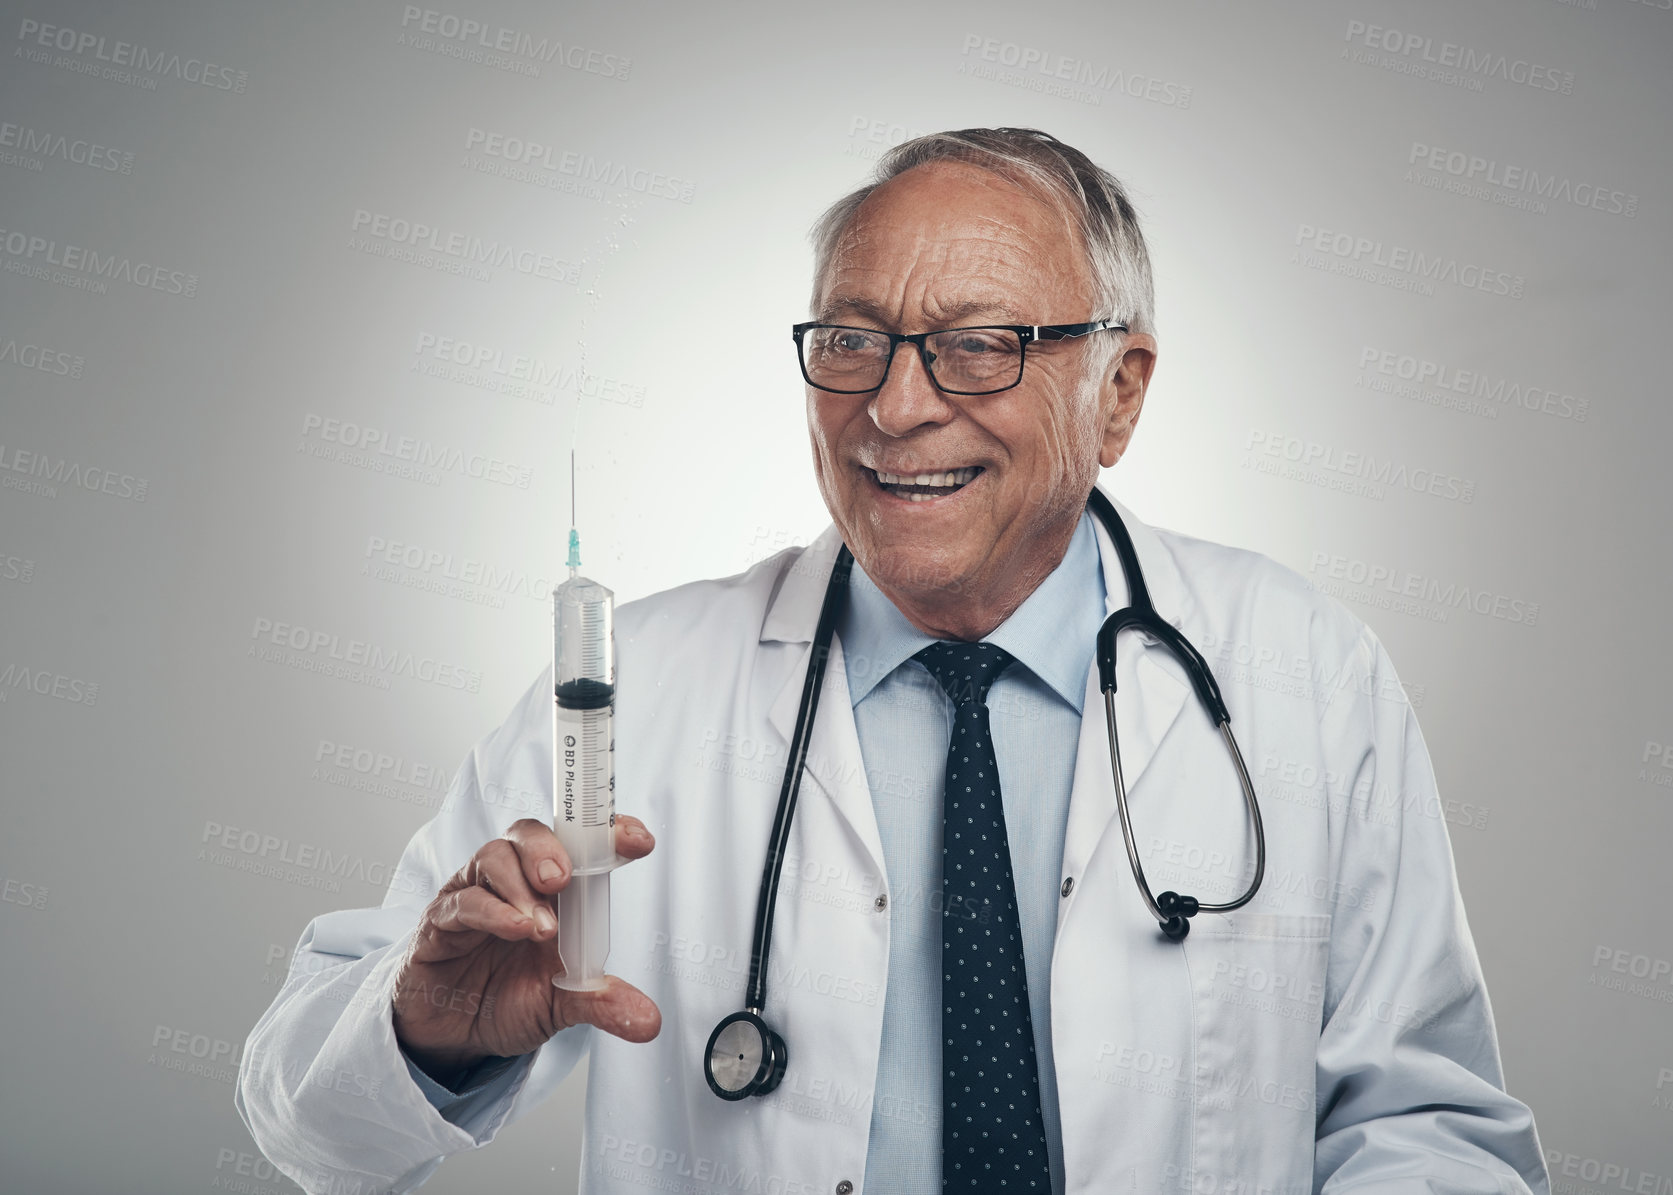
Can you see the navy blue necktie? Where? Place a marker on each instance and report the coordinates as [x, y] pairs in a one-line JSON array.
[[992, 1135]]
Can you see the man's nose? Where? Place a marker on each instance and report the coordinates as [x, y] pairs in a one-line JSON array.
[[908, 398]]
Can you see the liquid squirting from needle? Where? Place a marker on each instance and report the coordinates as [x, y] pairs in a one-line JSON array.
[[584, 764]]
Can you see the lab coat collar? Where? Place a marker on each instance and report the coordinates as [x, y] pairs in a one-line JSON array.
[[1151, 688], [793, 610], [1050, 634]]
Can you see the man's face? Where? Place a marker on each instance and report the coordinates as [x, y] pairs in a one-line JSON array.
[[947, 246]]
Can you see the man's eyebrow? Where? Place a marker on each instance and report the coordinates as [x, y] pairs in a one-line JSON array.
[[864, 308], [949, 315]]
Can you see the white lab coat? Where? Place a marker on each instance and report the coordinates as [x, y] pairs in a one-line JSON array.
[[1333, 1035]]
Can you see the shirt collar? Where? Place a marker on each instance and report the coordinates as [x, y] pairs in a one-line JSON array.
[[1052, 633]]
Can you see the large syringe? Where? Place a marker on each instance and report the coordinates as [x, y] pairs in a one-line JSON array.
[[584, 769]]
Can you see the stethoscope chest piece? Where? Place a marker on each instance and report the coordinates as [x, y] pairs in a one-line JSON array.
[[744, 1057]]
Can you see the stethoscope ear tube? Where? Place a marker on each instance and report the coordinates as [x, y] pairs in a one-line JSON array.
[[1172, 911]]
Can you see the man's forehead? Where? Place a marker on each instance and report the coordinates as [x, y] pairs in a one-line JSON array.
[[975, 302], [979, 235], [948, 201]]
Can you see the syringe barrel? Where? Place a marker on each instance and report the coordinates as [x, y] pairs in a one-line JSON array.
[[584, 788], [584, 772], [584, 640]]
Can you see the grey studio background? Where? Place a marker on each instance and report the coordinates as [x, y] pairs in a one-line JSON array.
[[302, 307]]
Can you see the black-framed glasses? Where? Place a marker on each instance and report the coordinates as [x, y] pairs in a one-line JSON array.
[[983, 360]]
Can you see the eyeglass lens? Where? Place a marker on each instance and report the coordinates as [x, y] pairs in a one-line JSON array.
[[971, 360]]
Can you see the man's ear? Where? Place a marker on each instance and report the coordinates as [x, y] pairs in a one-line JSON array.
[[1123, 394]]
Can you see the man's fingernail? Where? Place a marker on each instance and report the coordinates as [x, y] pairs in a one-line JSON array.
[[639, 832], [544, 919], [550, 872]]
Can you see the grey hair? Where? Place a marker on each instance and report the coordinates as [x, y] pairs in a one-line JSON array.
[[1091, 196]]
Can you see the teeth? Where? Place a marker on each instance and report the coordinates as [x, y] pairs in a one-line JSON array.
[[952, 477]]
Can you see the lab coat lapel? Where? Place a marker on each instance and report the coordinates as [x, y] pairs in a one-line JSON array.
[[834, 763], [1151, 690]]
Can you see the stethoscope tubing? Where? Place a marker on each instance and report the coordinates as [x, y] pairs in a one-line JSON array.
[[1170, 910], [836, 591]]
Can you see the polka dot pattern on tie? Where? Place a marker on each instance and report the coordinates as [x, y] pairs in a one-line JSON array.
[[992, 1135]]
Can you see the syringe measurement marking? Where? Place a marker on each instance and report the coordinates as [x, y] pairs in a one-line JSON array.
[[596, 797], [592, 647], [591, 777]]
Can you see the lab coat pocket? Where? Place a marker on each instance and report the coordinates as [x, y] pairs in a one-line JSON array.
[[1257, 982]]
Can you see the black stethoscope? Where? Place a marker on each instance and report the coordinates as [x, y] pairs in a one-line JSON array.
[[747, 1058]]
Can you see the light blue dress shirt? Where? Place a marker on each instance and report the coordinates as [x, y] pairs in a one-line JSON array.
[[904, 720]]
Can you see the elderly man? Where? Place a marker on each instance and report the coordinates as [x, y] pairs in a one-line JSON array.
[[966, 989]]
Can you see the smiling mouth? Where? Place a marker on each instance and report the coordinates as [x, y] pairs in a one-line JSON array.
[[922, 487]]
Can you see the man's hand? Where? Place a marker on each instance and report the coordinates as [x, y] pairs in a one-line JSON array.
[[477, 980]]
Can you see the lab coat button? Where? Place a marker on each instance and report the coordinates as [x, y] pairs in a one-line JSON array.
[[1068, 887], [845, 1187], [882, 901]]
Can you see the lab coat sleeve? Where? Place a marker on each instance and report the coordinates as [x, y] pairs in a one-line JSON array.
[[1410, 1090], [323, 1085], [486, 1085]]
